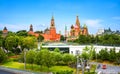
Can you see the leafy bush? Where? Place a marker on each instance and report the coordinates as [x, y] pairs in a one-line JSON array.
[[89, 73], [10, 54], [15, 59], [21, 58], [3, 56], [64, 72]]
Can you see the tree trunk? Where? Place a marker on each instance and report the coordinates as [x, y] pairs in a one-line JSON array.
[[32, 66]]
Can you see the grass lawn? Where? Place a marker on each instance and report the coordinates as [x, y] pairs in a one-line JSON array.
[[60, 68], [13, 65], [37, 68]]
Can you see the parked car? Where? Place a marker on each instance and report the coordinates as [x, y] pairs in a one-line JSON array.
[[98, 66], [104, 66]]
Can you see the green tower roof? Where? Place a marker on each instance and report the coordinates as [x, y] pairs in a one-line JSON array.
[[85, 26]]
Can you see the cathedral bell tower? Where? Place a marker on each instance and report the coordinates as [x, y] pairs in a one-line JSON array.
[[77, 22], [77, 26]]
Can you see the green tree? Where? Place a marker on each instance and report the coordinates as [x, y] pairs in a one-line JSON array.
[[68, 58], [28, 42], [88, 52], [45, 58], [97, 39], [40, 38], [118, 57], [10, 33], [0, 32], [94, 54], [110, 39], [92, 39], [22, 33], [39, 58], [83, 39], [3, 56], [112, 55], [1, 41], [30, 57], [85, 53], [62, 38], [21, 58], [39, 32], [48, 58], [103, 54], [56, 50], [11, 43], [91, 52], [58, 58]]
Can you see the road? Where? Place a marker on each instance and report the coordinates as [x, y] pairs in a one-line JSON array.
[[110, 69], [5, 72]]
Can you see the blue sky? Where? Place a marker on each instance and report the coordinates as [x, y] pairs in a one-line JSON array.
[[19, 14]]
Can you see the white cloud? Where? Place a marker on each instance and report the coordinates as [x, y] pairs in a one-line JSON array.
[[95, 23], [17, 27], [116, 18]]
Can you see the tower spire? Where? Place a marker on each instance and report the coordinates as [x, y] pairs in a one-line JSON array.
[[65, 31], [77, 22], [52, 22], [5, 32], [5, 28], [31, 28], [52, 16], [85, 26]]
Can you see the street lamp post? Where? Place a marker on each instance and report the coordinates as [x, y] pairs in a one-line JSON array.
[[24, 59], [77, 53], [96, 51], [82, 65], [88, 68], [78, 64]]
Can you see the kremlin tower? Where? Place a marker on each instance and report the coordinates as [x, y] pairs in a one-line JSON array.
[[49, 34], [4, 32], [31, 30]]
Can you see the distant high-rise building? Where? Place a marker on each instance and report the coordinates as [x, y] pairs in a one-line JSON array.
[[107, 31], [100, 31]]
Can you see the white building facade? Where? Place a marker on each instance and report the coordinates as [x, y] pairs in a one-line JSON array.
[[78, 49]]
